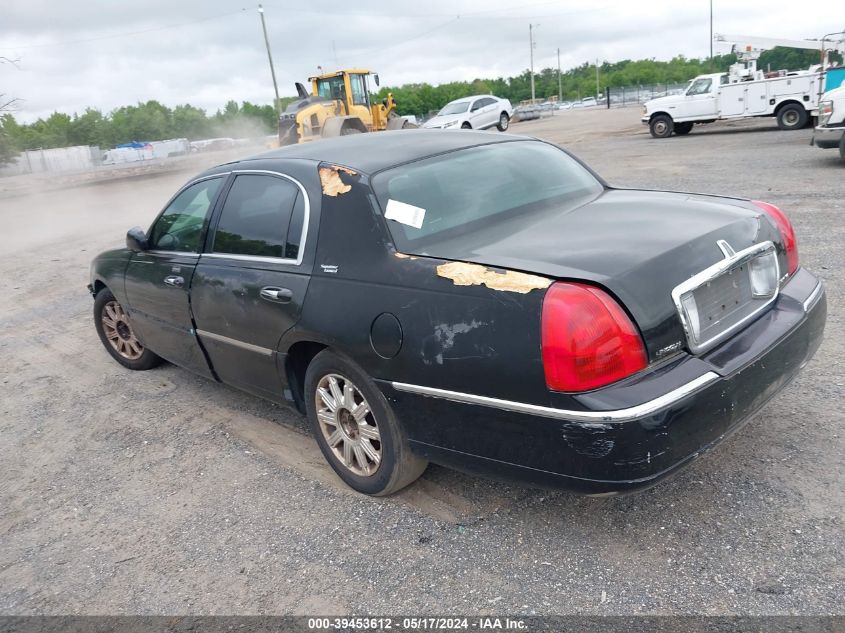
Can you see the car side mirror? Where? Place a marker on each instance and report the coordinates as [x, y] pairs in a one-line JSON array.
[[136, 240], [375, 78]]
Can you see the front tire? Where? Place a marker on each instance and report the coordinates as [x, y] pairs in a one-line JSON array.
[[466, 126], [504, 121], [661, 126], [356, 429], [682, 129], [842, 147], [118, 337], [792, 117]]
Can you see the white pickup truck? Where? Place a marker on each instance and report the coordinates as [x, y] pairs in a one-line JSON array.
[[830, 132], [791, 98]]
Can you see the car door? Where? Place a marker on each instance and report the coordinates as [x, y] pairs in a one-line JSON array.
[[249, 284], [157, 280], [476, 114], [700, 100], [491, 112]]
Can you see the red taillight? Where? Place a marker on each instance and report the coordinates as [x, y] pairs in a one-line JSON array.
[[588, 340], [790, 243]]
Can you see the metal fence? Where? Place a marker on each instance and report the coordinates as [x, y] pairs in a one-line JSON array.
[[59, 159], [633, 95]]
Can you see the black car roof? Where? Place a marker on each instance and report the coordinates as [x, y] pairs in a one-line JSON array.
[[369, 153]]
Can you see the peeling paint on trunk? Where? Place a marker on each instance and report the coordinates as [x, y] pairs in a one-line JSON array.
[[465, 274], [331, 182], [398, 255]]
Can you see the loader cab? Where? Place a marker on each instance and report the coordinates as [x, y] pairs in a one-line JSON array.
[[349, 88]]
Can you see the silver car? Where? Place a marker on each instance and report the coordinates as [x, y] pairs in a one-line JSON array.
[[477, 113]]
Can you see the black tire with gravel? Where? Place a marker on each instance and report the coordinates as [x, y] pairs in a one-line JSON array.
[[397, 466], [792, 116], [118, 337], [661, 126], [504, 121], [682, 129], [842, 147], [466, 126]]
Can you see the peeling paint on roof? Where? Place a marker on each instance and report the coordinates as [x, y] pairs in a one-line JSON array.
[[331, 182]]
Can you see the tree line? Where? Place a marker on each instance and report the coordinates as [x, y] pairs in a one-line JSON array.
[[576, 83], [154, 121]]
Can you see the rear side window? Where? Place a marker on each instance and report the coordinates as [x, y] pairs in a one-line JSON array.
[[257, 217]]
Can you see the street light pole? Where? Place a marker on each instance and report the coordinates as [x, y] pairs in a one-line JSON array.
[[270, 58], [711, 34], [531, 44], [559, 81]]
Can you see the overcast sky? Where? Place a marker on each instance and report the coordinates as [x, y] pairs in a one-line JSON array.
[[108, 53]]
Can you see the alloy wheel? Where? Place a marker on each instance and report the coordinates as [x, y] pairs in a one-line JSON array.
[[119, 332], [348, 424]]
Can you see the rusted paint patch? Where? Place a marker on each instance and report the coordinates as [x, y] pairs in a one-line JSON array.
[[465, 274], [399, 255], [330, 180]]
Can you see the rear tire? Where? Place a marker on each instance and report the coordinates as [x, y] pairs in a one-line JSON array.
[[118, 337], [504, 121], [792, 117], [349, 130], [661, 126], [466, 126], [356, 429], [842, 147], [682, 129]]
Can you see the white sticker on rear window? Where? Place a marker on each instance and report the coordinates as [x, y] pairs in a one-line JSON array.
[[405, 213]]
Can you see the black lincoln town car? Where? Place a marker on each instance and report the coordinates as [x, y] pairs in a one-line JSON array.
[[480, 301]]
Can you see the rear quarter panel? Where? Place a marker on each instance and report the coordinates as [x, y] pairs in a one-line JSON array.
[[463, 338]]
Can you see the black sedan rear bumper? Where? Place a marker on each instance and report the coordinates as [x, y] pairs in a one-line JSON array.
[[630, 435]]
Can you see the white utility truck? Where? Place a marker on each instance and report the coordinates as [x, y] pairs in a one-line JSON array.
[[791, 97], [830, 132]]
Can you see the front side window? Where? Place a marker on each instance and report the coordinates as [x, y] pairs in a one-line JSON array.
[[359, 90], [480, 190], [700, 87], [256, 218], [332, 88], [179, 227]]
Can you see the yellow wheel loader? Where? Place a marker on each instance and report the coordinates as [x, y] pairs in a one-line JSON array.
[[340, 103]]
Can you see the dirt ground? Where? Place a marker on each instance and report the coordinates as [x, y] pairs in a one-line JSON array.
[[162, 493]]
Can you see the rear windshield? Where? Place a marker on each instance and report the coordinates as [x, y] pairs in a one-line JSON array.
[[479, 188]]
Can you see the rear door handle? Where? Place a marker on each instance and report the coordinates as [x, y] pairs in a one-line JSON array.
[[175, 281], [271, 293]]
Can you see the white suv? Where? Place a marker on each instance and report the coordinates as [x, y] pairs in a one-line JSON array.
[[478, 113]]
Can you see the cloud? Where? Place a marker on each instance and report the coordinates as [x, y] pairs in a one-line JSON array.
[[105, 54]]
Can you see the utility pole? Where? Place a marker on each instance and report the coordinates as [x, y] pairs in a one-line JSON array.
[[531, 42], [270, 58], [559, 81]]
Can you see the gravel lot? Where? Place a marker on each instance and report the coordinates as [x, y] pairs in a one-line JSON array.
[[161, 493]]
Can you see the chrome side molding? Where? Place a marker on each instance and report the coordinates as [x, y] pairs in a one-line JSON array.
[[264, 351], [619, 415], [810, 301]]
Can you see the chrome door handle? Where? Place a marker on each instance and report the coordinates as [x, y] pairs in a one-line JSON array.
[[270, 293], [175, 281]]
